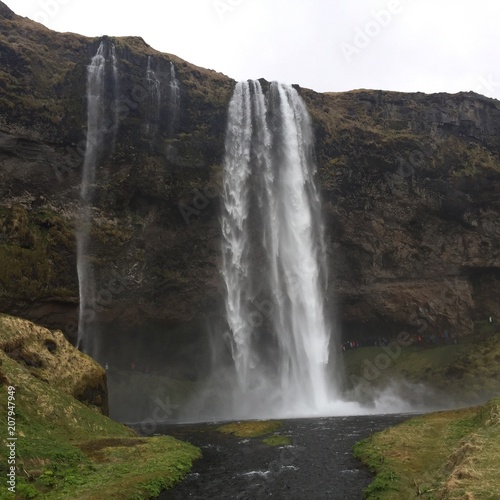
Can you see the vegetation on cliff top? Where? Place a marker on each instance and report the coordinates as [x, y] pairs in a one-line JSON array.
[[445, 455], [67, 450]]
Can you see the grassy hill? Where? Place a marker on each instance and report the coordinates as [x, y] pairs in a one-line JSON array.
[[67, 449], [443, 455], [447, 375]]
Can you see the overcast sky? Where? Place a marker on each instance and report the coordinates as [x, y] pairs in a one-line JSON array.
[[326, 45]]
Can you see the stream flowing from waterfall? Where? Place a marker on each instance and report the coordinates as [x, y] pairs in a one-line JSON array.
[[274, 262], [317, 464]]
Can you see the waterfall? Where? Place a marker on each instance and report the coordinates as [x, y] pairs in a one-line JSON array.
[[174, 98], [98, 129], [95, 124], [154, 98], [274, 261], [116, 117]]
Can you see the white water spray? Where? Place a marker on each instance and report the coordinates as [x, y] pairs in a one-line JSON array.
[[274, 254]]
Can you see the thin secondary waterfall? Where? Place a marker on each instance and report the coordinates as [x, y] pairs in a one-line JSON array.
[[95, 125], [116, 117], [175, 98], [98, 121], [154, 94], [274, 253]]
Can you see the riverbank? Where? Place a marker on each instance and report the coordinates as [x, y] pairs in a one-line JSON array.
[[443, 455], [62, 448]]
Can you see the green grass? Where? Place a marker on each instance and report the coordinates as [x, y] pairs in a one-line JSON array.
[[67, 449], [257, 428], [277, 440], [467, 372], [442, 455], [251, 428]]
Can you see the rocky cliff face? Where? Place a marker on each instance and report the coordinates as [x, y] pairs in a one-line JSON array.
[[409, 184]]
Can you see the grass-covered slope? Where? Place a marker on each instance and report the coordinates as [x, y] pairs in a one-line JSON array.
[[66, 449], [451, 374], [444, 455], [47, 356]]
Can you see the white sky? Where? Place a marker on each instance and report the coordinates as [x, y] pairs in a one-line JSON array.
[[326, 45]]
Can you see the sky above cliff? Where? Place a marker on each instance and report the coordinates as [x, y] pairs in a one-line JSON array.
[[406, 45]]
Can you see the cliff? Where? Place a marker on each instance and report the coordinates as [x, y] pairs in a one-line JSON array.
[[409, 186], [411, 183]]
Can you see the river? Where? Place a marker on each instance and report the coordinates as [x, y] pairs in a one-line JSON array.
[[318, 465]]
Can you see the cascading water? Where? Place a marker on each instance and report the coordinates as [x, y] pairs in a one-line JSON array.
[[95, 123], [116, 117], [274, 254], [97, 127], [154, 96], [175, 99]]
